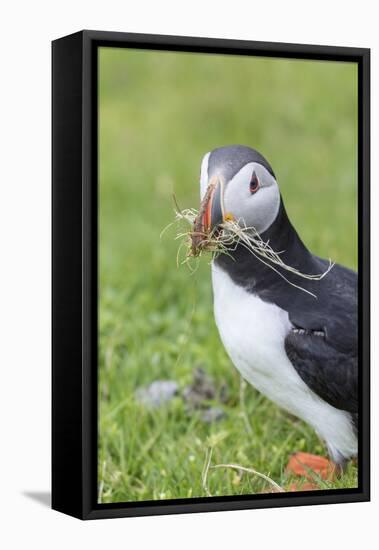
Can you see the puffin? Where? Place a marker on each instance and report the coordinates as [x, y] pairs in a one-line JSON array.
[[293, 340]]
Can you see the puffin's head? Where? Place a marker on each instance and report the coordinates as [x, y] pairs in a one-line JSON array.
[[237, 182]]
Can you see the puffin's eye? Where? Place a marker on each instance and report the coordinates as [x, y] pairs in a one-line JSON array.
[[254, 183]]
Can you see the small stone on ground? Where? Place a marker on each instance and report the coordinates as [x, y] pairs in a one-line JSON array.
[[157, 393], [213, 414]]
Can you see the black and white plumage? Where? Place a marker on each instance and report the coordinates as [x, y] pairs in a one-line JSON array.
[[298, 350]]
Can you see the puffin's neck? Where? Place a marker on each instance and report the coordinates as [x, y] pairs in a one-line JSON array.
[[251, 273]]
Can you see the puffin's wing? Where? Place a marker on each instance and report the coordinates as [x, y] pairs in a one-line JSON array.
[[329, 372], [334, 312]]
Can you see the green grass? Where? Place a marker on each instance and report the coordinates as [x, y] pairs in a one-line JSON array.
[[159, 113]]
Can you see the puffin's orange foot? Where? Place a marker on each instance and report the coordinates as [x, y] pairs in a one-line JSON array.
[[311, 466], [303, 486]]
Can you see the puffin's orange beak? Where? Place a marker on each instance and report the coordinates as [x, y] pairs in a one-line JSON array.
[[210, 213], [206, 206]]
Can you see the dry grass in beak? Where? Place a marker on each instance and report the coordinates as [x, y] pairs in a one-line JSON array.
[[226, 238]]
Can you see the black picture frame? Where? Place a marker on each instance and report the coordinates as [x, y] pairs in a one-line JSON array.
[[74, 272]]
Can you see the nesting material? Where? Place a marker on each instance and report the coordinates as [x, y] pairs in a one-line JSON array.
[[226, 238]]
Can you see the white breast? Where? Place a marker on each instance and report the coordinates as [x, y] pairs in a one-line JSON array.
[[253, 333]]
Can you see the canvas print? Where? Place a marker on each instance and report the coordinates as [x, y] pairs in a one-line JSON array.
[[227, 261]]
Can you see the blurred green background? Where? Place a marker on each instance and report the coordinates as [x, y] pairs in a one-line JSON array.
[[159, 113]]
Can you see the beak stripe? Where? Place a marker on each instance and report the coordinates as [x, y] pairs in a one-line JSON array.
[[208, 212]]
